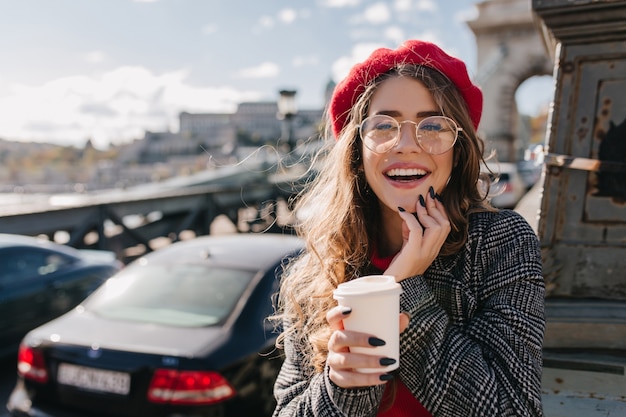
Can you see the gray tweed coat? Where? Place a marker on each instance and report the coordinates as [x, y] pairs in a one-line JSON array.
[[474, 343]]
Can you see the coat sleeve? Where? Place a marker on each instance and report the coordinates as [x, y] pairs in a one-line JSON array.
[[301, 392], [482, 354]]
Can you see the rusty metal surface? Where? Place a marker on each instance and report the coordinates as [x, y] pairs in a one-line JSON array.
[[582, 223], [576, 21], [582, 227]]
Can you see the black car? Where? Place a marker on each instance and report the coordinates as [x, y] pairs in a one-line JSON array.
[[40, 280], [182, 331]]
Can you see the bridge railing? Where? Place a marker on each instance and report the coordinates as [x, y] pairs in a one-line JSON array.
[[131, 225]]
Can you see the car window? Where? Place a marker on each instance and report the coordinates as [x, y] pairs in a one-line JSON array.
[[28, 263], [187, 295]]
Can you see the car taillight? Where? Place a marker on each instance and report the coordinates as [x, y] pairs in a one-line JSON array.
[[188, 387], [31, 364]]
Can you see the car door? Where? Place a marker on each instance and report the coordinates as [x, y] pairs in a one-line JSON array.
[[27, 290]]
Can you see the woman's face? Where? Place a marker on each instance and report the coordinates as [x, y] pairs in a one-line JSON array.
[[400, 175]]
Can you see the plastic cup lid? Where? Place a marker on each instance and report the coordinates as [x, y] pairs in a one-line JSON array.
[[380, 284]]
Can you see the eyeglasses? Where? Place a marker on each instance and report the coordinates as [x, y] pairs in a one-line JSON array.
[[434, 134]]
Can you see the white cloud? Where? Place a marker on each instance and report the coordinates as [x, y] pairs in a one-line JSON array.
[[95, 57], [302, 61], [395, 34], [429, 36], [116, 106], [377, 14], [287, 16], [402, 5], [339, 3], [359, 53], [466, 15], [427, 5], [264, 70]]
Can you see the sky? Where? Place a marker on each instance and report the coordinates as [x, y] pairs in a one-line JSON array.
[[109, 70]]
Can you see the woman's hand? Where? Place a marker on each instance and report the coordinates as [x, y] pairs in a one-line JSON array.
[[422, 237], [342, 362]]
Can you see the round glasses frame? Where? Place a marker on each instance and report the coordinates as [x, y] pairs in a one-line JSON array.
[[434, 134]]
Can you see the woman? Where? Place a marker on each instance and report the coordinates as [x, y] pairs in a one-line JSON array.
[[400, 193]]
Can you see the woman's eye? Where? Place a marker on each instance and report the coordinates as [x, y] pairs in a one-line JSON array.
[[432, 127], [384, 126]]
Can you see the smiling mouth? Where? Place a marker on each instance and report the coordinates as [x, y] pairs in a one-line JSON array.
[[410, 174]]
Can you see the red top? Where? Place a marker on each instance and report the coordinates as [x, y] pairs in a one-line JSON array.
[[404, 403]]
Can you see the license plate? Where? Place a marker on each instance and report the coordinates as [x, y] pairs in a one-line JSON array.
[[94, 379]]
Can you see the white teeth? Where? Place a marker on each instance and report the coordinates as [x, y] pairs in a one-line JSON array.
[[397, 172]]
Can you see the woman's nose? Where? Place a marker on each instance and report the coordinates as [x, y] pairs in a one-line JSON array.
[[408, 140]]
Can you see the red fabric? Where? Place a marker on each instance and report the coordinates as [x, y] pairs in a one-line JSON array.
[[404, 403], [382, 60], [378, 262]]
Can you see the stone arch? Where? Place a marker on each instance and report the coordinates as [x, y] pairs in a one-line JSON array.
[[509, 51]]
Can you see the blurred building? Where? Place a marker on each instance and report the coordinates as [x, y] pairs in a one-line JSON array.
[[205, 140]]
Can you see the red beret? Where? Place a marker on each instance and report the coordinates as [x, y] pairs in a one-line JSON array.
[[382, 60]]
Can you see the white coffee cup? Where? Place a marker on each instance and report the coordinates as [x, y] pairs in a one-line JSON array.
[[375, 304]]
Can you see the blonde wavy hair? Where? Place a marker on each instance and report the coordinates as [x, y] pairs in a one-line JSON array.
[[342, 215]]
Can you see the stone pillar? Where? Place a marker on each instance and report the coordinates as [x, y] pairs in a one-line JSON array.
[[509, 51]]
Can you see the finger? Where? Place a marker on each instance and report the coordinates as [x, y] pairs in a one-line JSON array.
[[435, 205], [341, 339], [436, 222], [351, 379], [435, 235], [436, 210], [335, 316], [410, 221], [434, 214], [350, 361], [431, 198], [420, 205], [344, 365], [426, 219], [425, 208]]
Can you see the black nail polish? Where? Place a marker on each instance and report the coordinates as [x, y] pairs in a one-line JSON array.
[[431, 191], [374, 341], [387, 361], [422, 202], [438, 197], [346, 310], [386, 377], [401, 209]]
